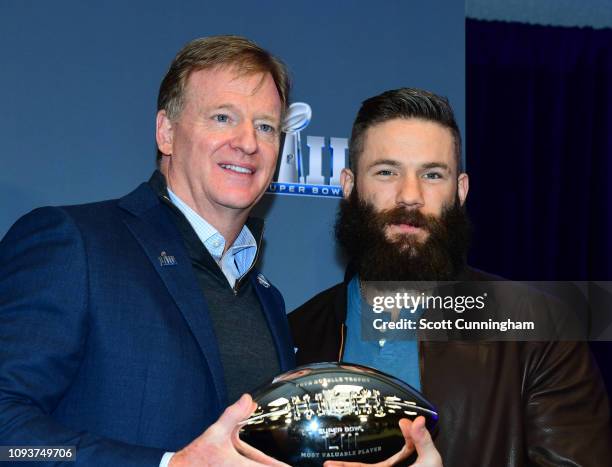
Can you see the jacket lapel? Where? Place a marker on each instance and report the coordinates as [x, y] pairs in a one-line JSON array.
[[154, 229], [274, 311]]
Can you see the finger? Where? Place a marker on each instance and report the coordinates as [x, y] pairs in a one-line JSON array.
[[406, 426], [428, 455], [384, 463], [343, 464], [234, 414]]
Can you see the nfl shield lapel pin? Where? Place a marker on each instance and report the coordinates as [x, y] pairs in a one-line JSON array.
[[263, 281], [166, 259]]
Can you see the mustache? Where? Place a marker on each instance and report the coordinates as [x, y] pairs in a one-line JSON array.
[[401, 215]]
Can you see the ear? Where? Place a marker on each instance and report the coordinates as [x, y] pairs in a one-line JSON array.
[[164, 133], [463, 186], [347, 180]]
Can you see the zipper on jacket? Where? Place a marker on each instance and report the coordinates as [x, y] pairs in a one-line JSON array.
[[341, 342], [421, 365]]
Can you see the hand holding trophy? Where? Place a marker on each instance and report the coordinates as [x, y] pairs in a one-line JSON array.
[[341, 412]]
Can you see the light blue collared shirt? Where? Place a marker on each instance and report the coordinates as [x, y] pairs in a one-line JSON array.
[[237, 259], [395, 356]]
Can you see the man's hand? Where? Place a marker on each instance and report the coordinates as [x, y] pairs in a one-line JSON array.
[[220, 444], [416, 436]]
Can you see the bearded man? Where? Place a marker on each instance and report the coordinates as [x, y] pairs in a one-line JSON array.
[[403, 219]]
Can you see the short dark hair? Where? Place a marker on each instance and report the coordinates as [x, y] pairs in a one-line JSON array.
[[210, 52], [402, 103]]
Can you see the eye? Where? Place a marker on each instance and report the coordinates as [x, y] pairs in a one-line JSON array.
[[433, 176], [264, 127], [384, 172], [221, 118]]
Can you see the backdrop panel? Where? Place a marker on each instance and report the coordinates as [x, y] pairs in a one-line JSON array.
[[79, 83]]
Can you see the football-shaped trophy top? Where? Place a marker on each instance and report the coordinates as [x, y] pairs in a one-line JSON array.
[[298, 117], [333, 411]]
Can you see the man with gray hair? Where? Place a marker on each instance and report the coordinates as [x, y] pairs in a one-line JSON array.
[[129, 325]]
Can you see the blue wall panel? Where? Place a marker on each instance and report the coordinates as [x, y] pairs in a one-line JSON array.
[[78, 85]]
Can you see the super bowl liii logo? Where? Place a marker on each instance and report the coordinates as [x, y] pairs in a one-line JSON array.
[[317, 174]]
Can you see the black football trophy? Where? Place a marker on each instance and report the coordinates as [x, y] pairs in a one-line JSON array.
[[333, 411]]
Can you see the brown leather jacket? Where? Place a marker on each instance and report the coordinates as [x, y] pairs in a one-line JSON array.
[[500, 403]]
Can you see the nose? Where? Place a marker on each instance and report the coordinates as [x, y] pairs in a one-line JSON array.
[[410, 193], [245, 138]]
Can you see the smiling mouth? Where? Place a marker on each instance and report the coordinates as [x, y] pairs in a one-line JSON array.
[[237, 169]]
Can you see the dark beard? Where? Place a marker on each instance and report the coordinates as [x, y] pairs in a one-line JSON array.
[[360, 230]]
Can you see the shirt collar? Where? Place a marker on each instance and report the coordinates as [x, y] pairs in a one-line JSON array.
[[209, 236], [239, 258]]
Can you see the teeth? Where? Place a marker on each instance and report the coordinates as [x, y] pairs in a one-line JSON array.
[[237, 168]]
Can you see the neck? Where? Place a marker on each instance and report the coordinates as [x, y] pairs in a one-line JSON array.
[[229, 228], [227, 221]]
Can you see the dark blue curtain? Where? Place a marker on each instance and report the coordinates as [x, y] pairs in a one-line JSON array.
[[539, 150]]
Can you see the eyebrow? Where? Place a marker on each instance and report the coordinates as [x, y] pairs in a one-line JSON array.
[[391, 162], [233, 108], [436, 165], [395, 163]]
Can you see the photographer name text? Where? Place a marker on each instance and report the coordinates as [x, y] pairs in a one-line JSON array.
[[448, 324]]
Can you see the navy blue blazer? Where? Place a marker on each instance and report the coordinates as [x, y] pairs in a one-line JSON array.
[[103, 345]]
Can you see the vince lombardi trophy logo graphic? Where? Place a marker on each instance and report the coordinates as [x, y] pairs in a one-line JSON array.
[[324, 159], [291, 168]]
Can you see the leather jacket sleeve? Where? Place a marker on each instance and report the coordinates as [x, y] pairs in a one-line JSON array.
[[566, 409]]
